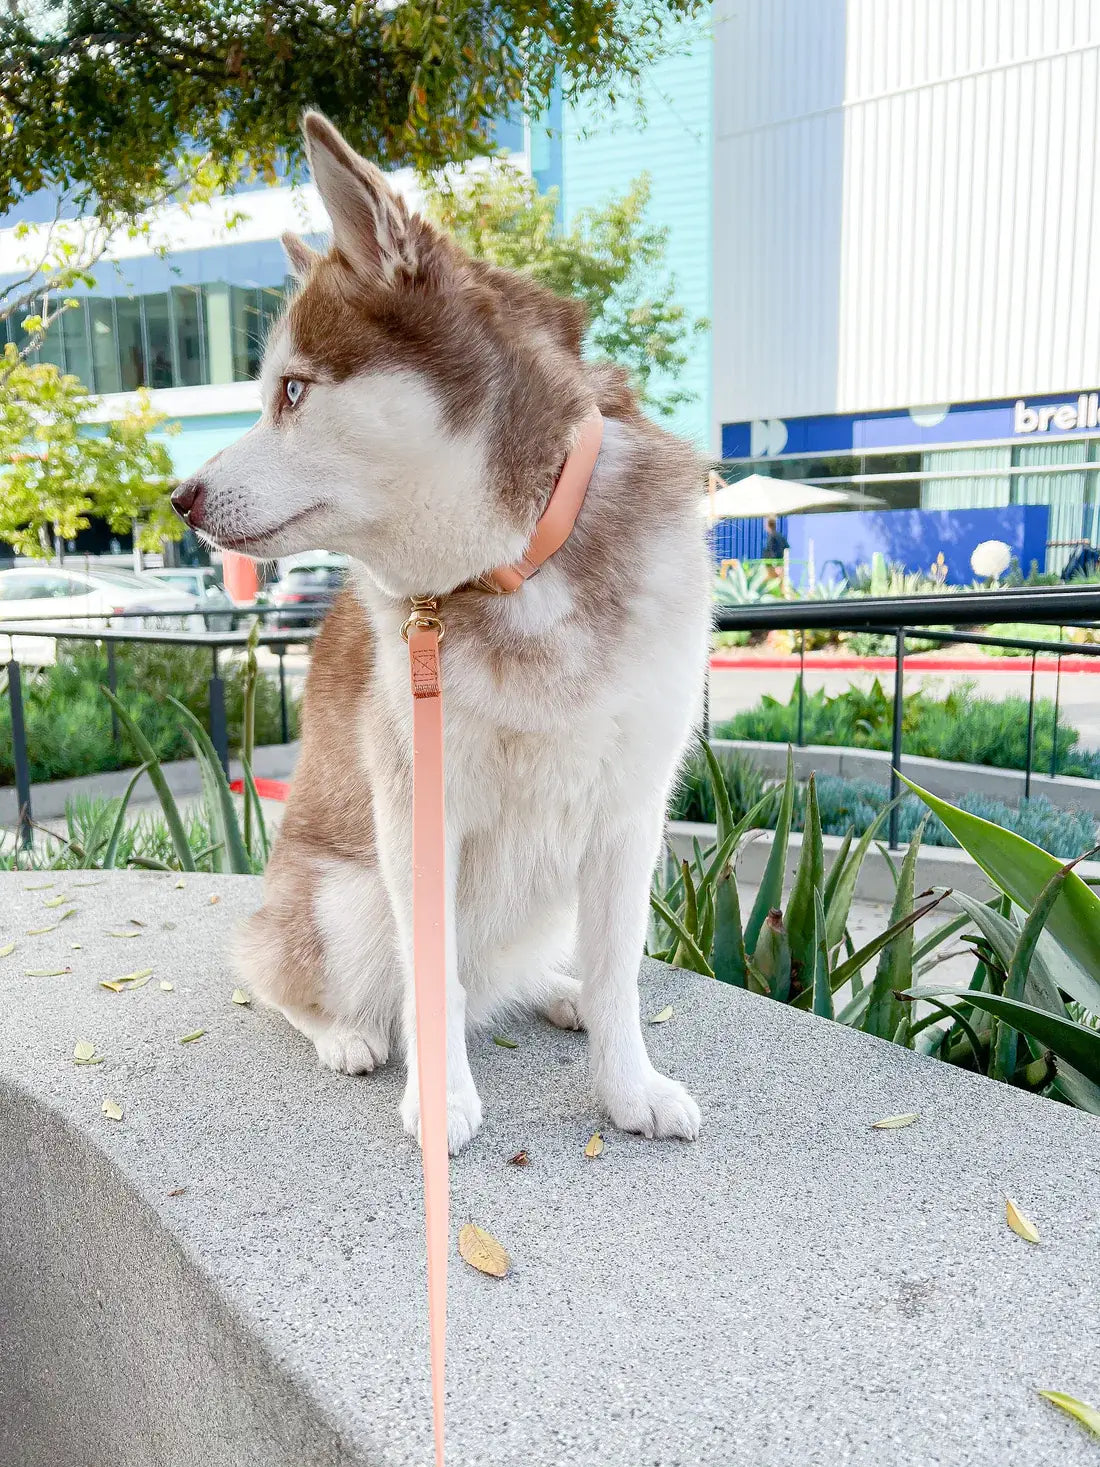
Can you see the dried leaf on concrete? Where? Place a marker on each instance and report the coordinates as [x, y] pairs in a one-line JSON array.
[[895, 1123], [482, 1251], [239, 996], [112, 1110], [1021, 1225], [662, 1017], [594, 1147]]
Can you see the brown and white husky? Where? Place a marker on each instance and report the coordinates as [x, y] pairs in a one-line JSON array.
[[417, 408]]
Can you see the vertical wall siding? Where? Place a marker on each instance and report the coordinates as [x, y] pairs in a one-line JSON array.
[[941, 244], [777, 206], [606, 148]]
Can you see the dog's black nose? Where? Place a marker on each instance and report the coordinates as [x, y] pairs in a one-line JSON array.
[[188, 500]]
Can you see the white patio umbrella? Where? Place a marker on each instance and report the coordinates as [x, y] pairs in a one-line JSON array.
[[757, 496]]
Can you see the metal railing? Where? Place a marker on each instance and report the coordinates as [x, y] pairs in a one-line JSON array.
[[920, 617], [903, 618], [216, 643]]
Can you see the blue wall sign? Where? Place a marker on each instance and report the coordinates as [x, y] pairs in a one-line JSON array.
[[915, 537], [1024, 419]]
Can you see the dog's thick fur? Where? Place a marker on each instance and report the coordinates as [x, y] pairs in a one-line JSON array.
[[441, 397]]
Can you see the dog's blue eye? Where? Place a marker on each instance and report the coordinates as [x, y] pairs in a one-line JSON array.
[[294, 389]]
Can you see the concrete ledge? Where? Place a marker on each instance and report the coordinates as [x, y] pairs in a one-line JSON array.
[[48, 799], [796, 1290], [941, 776]]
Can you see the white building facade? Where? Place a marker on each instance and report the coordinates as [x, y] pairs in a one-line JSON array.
[[906, 250]]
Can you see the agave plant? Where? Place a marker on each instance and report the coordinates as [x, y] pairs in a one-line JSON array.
[[1029, 1013], [1026, 1017], [794, 947], [740, 588]]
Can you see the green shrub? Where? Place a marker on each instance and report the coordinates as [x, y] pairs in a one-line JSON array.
[[847, 803], [730, 639], [68, 720], [960, 726], [1026, 630], [693, 796]]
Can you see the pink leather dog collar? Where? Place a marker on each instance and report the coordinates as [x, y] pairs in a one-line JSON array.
[[560, 515]]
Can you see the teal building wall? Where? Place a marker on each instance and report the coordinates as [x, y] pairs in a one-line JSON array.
[[605, 148]]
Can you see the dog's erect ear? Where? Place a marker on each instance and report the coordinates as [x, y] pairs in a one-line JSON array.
[[369, 220], [299, 256]]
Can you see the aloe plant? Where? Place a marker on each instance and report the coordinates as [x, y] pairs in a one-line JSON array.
[[795, 946], [1036, 987], [1028, 1017]]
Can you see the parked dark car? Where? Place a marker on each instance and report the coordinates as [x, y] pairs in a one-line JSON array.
[[305, 594]]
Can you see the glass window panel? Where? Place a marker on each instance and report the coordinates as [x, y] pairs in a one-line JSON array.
[[248, 331], [49, 348], [131, 351], [187, 309], [219, 333], [1069, 522], [77, 358], [158, 336], [272, 298], [104, 359], [976, 479]]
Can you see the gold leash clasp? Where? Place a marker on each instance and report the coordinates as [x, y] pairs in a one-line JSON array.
[[424, 616]]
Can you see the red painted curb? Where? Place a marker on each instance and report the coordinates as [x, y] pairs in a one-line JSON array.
[[915, 661], [267, 789]]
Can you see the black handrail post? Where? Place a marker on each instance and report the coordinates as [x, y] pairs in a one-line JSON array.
[[23, 832], [1030, 731], [899, 710], [219, 733], [112, 683], [1057, 703], [802, 690], [284, 726]]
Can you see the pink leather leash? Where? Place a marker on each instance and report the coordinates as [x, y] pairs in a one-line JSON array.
[[424, 631]]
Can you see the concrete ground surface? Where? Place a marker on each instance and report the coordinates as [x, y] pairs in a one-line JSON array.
[[232, 1275]]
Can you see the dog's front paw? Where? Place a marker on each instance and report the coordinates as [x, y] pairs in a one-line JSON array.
[[463, 1116], [654, 1105], [352, 1051]]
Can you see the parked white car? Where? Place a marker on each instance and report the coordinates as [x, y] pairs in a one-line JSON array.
[[57, 595], [201, 583]]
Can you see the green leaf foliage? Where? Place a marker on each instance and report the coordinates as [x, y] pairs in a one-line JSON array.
[[110, 99], [609, 258]]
